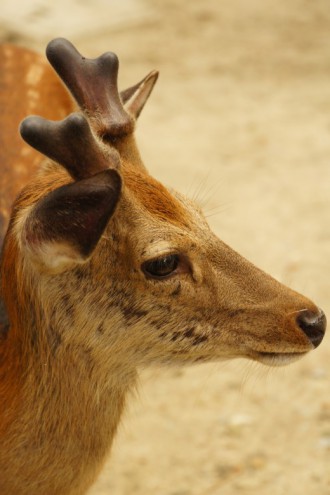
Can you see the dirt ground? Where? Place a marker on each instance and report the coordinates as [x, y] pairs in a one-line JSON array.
[[240, 119]]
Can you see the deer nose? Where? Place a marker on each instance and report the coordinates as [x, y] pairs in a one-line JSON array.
[[313, 325]]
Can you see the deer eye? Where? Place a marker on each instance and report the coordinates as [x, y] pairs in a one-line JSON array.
[[161, 267]]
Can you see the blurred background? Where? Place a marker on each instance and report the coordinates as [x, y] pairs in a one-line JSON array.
[[240, 120]]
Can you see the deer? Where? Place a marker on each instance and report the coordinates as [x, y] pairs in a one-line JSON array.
[[105, 271]]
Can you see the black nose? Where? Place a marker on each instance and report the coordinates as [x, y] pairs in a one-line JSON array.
[[313, 325]]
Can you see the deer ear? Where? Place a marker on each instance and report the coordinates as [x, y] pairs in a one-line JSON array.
[[65, 226], [135, 97]]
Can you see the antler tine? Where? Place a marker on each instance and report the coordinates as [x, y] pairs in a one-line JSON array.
[[135, 97], [93, 84], [69, 142]]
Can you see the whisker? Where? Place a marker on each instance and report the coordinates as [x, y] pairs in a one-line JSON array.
[[297, 311], [210, 192], [199, 195], [215, 210]]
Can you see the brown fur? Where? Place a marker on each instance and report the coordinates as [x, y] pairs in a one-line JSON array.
[[79, 332], [32, 87], [154, 197]]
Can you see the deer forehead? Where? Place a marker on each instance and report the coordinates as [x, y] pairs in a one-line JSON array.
[[170, 222], [155, 198], [168, 219]]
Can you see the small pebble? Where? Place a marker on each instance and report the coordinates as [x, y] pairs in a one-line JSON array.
[[324, 442]]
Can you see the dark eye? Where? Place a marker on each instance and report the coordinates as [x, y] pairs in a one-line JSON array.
[[161, 267]]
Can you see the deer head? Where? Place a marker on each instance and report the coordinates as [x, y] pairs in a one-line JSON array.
[[105, 256]]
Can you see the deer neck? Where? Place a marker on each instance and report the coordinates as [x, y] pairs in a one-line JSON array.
[[68, 407]]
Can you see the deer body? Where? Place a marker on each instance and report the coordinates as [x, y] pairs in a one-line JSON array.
[[24, 72], [104, 271]]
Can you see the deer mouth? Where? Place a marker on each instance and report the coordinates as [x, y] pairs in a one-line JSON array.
[[278, 359]]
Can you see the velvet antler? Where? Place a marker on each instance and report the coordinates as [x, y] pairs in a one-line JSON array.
[[135, 97], [93, 84], [71, 143]]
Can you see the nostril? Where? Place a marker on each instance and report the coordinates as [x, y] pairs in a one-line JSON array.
[[313, 325]]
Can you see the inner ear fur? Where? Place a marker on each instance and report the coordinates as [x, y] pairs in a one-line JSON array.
[[65, 226]]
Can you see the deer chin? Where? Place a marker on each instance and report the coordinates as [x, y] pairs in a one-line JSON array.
[[277, 359]]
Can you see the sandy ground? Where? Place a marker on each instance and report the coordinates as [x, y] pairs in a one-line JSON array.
[[241, 120]]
